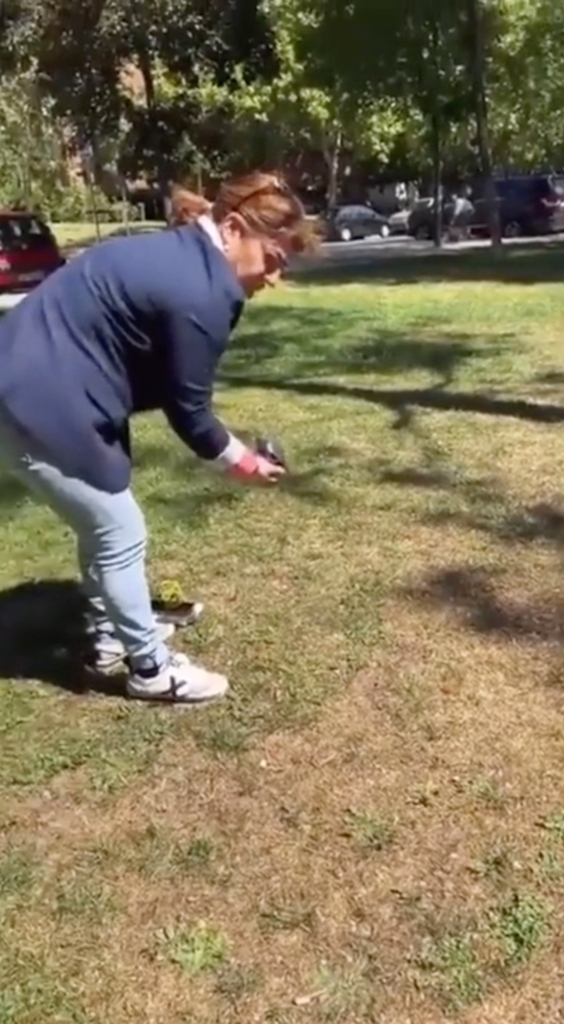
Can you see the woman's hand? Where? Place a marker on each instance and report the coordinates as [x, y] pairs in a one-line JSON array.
[[252, 468], [268, 471]]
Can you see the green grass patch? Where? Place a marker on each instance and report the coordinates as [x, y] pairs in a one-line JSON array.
[[196, 950], [450, 964], [522, 926], [83, 233], [368, 830]]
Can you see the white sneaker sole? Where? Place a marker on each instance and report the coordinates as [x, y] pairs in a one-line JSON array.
[[179, 693]]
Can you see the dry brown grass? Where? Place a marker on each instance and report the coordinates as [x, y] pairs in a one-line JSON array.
[[374, 824]]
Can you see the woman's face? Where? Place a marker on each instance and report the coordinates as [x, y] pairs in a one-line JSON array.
[[258, 261]]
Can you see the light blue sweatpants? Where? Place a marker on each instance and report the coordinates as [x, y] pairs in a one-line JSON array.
[[111, 541]]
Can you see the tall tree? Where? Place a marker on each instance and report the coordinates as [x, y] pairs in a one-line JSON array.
[[89, 54], [393, 49], [480, 23], [289, 112], [526, 86]]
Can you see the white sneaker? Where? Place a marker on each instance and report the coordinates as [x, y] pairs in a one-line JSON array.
[[109, 651], [181, 682]]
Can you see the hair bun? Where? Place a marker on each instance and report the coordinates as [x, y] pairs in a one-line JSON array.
[[186, 206]]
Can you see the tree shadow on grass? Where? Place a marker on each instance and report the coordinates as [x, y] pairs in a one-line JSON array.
[[550, 378], [43, 637], [471, 592], [486, 506], [301, 342], [402, 400], [194, 508], [286, 363], [532, 523], [300, 345], [194, 492]]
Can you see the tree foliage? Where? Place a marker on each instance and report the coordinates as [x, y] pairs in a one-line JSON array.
[[420, 85]]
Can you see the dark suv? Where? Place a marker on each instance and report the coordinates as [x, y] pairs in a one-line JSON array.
[[528, 205]]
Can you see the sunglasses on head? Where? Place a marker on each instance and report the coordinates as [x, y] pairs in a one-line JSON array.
[[273, 188]]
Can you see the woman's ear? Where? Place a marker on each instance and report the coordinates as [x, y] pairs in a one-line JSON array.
[[232, 230], [234, 225]]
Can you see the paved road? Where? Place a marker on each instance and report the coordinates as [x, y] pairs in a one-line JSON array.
[[368, 251], [371, 250], [365, 252]]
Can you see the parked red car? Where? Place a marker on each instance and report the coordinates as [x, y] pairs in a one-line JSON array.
[[28, 251]]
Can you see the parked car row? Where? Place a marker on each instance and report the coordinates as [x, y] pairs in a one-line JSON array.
[[527, 204]]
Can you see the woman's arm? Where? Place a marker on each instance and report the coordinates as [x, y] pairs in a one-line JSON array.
[[191, 357]]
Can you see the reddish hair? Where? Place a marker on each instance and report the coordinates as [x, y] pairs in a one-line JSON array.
[[264, 201]]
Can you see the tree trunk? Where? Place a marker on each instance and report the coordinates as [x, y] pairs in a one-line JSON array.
[[332, 156], [480, 103], [437, 173], [90, 162], [199, 176], [148, 80], [436, 142], [95, 213], [125, 205]]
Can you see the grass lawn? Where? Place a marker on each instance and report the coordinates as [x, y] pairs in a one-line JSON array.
[[72, 234], [371, 827]]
